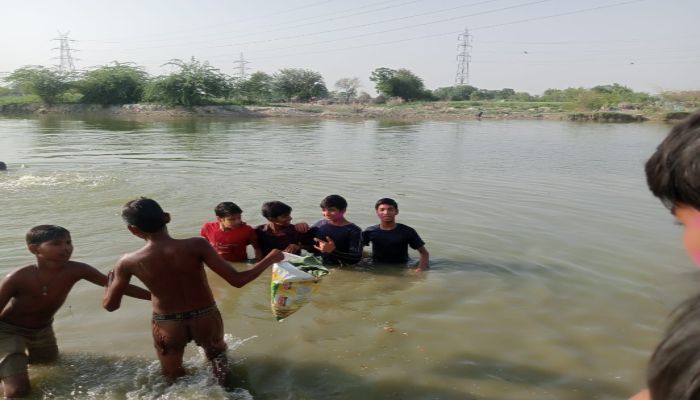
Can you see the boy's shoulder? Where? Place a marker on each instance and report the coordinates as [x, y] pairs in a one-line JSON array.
[[209, 226], [178, 245], [404, 227], [20, 273], [326, 225], [372, 228]]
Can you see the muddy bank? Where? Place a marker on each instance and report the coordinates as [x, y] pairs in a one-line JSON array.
[[418, 111]]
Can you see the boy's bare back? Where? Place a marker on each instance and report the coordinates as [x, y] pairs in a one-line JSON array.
[[173, 271]]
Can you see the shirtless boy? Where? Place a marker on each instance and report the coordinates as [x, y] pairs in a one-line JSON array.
[[183, 304], [29, 298]]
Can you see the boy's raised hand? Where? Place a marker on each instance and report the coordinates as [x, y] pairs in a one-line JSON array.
[[326, 246], [301, 227]]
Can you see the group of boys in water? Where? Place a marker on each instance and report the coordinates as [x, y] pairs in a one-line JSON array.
[[184, 309]]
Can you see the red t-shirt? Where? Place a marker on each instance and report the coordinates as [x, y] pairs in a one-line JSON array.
[[231, 243]]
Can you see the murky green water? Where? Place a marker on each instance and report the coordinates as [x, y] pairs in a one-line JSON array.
[[553, 268]]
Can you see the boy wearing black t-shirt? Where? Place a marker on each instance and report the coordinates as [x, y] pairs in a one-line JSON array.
[[390, 240]]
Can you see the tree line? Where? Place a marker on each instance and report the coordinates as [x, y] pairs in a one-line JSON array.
[[194, 82]]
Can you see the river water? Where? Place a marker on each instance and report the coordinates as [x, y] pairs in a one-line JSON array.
[[553, 268]]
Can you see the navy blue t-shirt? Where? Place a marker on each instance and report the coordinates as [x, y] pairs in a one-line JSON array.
[[391, 246], [347, 238]]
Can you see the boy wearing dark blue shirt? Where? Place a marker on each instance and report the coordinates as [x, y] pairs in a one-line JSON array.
[[338, 240], [390, 240]]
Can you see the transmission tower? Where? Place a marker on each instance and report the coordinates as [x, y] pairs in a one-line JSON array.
[[241, 62], [464, 43], [66, 59]]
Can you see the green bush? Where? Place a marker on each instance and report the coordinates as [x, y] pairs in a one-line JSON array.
[[196, 83], [116, 84], [47, 83], [676, 115]]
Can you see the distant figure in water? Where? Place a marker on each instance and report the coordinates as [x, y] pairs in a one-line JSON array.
[[479, 114], [3, 166]]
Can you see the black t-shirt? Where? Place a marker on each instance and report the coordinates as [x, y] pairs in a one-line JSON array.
[[391, 246], [347, 238]]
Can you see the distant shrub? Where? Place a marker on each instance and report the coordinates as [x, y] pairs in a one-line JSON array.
[[676, 115], [606, 117], [114, 84]]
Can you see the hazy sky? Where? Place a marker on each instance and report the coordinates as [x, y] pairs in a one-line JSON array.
[[526, 45]]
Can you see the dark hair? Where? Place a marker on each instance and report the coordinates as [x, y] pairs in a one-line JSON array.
[[386, 201], [3, 166], [273, 209], [674, 369], [144, 214], [673, 171], [335, 201], [43, 233], [227, 209]]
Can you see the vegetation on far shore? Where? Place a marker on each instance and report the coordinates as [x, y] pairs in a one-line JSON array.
[[193, 83]]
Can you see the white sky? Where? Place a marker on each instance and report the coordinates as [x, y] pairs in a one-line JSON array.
[[526, 45]]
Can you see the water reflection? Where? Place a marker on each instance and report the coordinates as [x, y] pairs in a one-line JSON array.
[[539, 234]]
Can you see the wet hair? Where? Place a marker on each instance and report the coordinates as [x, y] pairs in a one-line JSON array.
[[226, 209], [674, 369], [673, 171], [386, 201], [273, 209], [144, 214], [44, 233], [335, 201], [3, 166]]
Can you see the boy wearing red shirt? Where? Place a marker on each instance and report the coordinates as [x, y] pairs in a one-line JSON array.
[[229, 235]]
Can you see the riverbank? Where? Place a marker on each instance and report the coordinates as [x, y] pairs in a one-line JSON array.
[[402, 111]]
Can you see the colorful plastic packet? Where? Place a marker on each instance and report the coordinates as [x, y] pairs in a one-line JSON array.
[[291, 286]]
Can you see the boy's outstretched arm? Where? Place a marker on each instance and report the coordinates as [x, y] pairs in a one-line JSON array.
[[7, 290], [424, 259], [91, 274], [643, 395], [226, 271], [117, 285]]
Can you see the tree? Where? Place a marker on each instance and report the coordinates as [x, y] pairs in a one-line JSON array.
[[195, 83], [399, 83], [115, 84], [348, 88], [47, 83], [454, 93], [257, 88], [301, 84]]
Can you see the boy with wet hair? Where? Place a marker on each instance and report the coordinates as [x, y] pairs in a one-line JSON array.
[[390, 240], [183, 304], [279, 232], [338, 240], [673, 175], [29, 299], [229, 235]]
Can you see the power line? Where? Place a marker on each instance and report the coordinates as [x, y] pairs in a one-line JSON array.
[[170, 34], [341, 29], [337, 49], [455, 33]]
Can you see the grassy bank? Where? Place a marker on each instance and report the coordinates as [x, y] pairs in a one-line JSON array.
[[436, 110]]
